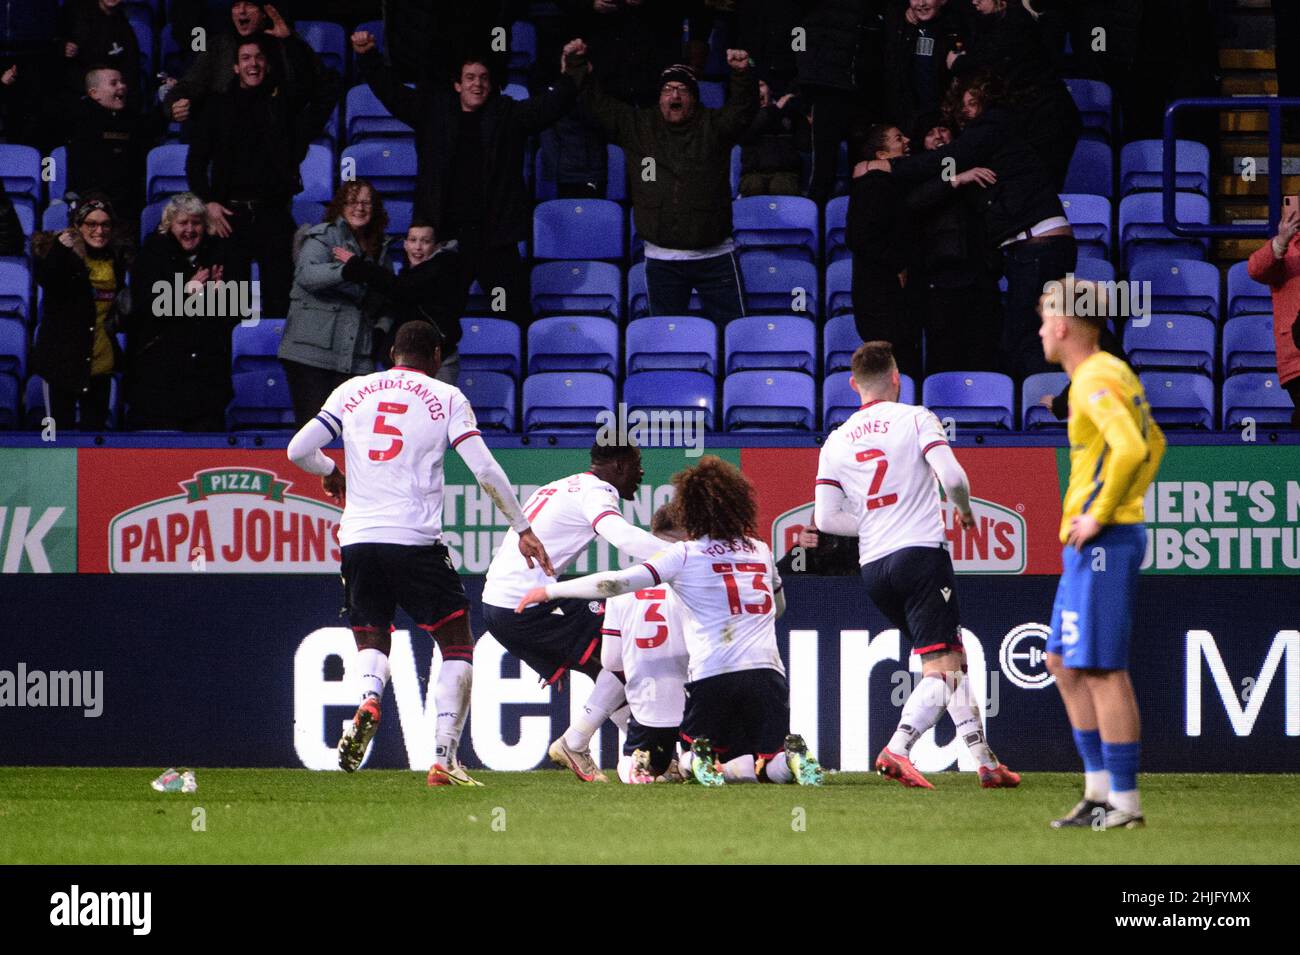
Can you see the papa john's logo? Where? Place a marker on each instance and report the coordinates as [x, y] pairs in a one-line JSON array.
[[1023, 656], [234, 520], [995, 545]]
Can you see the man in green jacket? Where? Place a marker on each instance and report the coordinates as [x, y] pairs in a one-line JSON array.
[[678, 160]]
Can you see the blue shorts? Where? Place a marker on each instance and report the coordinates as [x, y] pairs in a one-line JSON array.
[[1092, 618]]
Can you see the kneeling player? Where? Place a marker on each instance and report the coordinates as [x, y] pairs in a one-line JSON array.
[[737, 701], [643, 642]]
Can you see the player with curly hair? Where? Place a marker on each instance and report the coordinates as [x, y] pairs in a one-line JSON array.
[[737, 716]]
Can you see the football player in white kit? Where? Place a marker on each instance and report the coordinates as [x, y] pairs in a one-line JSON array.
[[567, 515], [643, 641], [397, 426], [737, 715], [876, 480]]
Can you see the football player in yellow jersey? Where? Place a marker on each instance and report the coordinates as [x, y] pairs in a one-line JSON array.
[[1115, 450]]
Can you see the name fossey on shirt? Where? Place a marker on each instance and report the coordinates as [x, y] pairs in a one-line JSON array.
[[76, 688]]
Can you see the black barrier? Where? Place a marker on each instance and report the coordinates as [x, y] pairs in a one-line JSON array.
[[210, 670]]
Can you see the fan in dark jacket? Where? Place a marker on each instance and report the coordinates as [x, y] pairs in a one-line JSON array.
[[821, 554], [1023, 216], [12, 239], [255, 136], [95, 33], [178, 361], [83, 272], [301, 74], [881, 234], [470, 145], [1005, 39], [919, 35], [770, 160], [425, 290], [955, 271]]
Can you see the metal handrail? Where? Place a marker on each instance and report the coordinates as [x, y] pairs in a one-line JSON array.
[[1272, 105]]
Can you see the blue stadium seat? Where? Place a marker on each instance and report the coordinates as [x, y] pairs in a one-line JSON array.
[[1257, 396], [771, 281], [327, 39], [685, 391], [20, 170], [369, 119], [1245, 295], [769, 400], [1094, 270], [13, 348], [317, 171], [492, 396], [1095, 102], [638, 299], [33, 403], [578, 229], [141, 20], [1141, 166], [840, 339], [616, 174], [777, 222], [400, 213], [712, 94], [490, 344], [1180, 399], [15, 289], [25, 209], [781, 342], [523, 47], [1090, 217], [10, 414], [577, 288], [839, 288], [834, 241], [1184, 286], [672, 343], [974, 399], [1171, 343], [389, 165], [566, 401], [1142, 231], [255, 347], [261, 401], [164, 171], [573, 343], [174, 60], [151, 217], [840, 401], [59, 184], [308, 213], [735, 171], [1248, 344], [516, 91], [1091, 170], [1033, 415], [55, 217]]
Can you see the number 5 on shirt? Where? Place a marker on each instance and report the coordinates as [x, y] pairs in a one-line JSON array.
[[383, 427]]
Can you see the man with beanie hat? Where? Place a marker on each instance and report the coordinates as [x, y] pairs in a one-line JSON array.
[[679, 156]]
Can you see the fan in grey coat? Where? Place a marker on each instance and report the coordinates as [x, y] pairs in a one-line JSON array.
[[330, 327]]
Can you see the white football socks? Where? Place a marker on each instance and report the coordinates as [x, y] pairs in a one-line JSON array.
[[619, 718], [966, 716], [740, 770], [922, 710], [778, 771], [371, 667], [1096, 785], [607, 696], [1128, 801], [451, 697]]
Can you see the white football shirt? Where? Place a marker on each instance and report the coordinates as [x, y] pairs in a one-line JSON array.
[[725, 591], [563, 515], [654, 653], [397, 426], [877, 458]]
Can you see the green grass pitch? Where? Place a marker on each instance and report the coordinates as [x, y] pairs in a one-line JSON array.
[[72, 816]]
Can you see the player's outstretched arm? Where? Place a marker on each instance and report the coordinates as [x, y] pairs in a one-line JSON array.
[[305, 451], [628, 538], [608, 583], [492, 479]]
